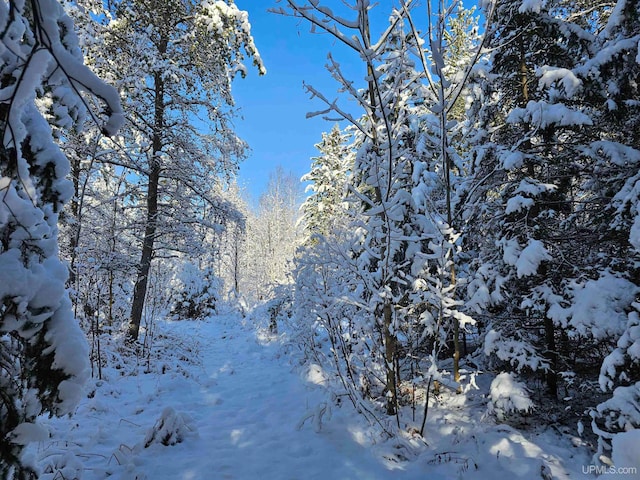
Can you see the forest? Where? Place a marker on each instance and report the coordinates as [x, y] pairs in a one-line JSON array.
[[469, 236]]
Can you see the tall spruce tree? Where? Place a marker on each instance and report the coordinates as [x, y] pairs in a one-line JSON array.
[[328, 176], [528, 168], [611, 75]]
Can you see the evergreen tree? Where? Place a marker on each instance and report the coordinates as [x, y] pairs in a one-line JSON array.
[[528, 168], [611, 75], [43, 354], [328, 177]]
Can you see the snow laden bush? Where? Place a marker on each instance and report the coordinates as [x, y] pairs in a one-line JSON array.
[[170, 429], [620, 369], [196, 292], [620, 413], [509, 398], [280, 308]]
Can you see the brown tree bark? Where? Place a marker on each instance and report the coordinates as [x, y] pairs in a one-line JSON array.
[[140, 290]]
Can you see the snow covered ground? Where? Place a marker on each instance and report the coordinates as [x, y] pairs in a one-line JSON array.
[[236, 408]]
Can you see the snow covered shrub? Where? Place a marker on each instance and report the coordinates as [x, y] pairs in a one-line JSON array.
[[507, 350], [626, 453], [620, 413], [170, 429], [623, 363], [621, 367], [196, 292], [280, 308], [509, 398]]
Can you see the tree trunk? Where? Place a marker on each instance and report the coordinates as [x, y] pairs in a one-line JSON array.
[[446, 168], [75, 230], [140, 290], [236, 262], [552, 355], [390, 353]]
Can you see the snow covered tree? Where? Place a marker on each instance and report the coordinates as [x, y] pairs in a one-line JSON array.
[[528, 166], [230, 264], [399, 256], [196, 293], [105, 260], [43, 353], [379, 187], [611, 76], [174, 62], [328, 177], [272, 234]]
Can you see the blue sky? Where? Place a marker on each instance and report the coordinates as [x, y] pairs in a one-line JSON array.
[[274, 106]]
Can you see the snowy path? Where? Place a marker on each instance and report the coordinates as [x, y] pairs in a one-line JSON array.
[[245, 406], [247, 420]]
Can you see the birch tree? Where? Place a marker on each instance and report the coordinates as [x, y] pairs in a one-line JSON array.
[[272, 235]]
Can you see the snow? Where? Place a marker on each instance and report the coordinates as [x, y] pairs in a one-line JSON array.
[[512, 160], [626, 454], [566, 78], [510, 250], [616, 18], [517, 203], [607, 54], [634, 233], [598, 307], [534, 6], [28, 432], [517, 353], [227, 401], [508, 396], [531, 258], [531, 187], [235, 409], [170, 429], [542, 115], [619, 412], [627, 351]]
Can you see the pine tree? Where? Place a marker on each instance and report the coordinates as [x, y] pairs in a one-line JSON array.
[[175, 61]]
